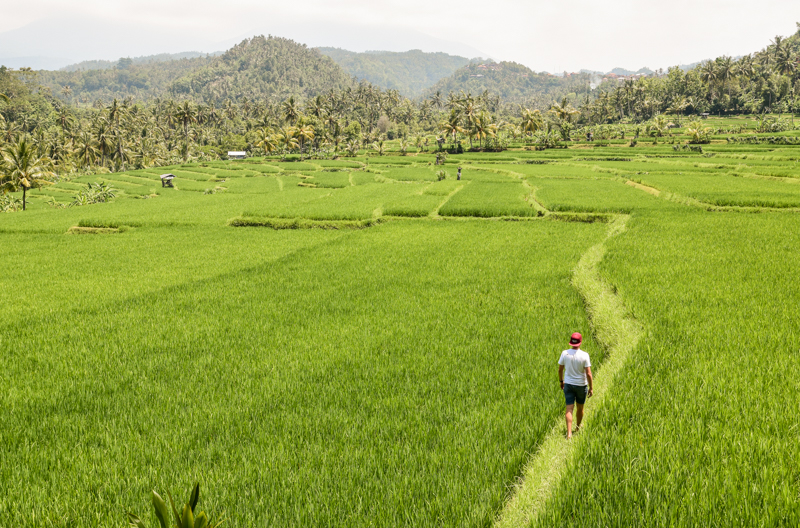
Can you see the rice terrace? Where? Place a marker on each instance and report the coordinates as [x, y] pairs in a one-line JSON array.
[[368, 335]]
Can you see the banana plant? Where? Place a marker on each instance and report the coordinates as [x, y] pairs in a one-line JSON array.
[[185, 519]]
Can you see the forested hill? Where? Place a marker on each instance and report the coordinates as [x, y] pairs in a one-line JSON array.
[[260, 67], [135, 61], [510, 81], [409, 72], [140, 81]]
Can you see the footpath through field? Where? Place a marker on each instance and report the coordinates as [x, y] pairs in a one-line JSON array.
[[618, 333]]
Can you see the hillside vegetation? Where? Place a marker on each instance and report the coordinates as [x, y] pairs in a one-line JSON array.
[[264, 67], [409, 72], [125, 62], [509, 81], [140, 81]]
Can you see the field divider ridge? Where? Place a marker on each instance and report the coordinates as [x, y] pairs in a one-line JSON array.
[[618, 332], [532, 197], [710, 207], [435, 212]]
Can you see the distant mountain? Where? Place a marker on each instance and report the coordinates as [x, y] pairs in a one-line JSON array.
[[124, 62], [141, 81], [627, 73], [264, 67], [409, 72], [260, 67], [511, 81]]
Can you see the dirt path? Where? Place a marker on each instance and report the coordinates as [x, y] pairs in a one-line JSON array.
[[619, 334]]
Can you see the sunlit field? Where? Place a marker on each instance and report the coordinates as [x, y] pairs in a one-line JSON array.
[[367, 342]]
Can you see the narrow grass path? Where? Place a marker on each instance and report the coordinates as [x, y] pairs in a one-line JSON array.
[[642, 187], [619, 333], [435, 212], [532, 196], [694, 202]]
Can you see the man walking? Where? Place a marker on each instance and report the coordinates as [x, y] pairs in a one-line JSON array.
[[574, 371]]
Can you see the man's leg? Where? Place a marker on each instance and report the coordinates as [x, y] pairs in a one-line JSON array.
[[579, 416], [569, 420]]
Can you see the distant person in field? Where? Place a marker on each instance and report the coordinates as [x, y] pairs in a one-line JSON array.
[[575, 375], [459, 173]]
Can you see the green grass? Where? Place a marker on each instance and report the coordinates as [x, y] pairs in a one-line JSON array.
[[387, 370], [727, 190], [334, 364], [584, 195], [695, 432], [490, 200]]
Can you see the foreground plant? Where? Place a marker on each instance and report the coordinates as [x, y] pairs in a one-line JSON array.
[[185, 519]]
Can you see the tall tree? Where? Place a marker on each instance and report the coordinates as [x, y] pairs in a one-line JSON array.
[[23, 168]]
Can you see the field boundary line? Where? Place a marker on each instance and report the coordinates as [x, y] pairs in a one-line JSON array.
[[618, 333], [532, 196], [642, 187], [699, 204], [280, 183], [435, 212]]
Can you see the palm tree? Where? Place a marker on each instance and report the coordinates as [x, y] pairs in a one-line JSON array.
[[482, 127], [708, 73], [103, 136], [267, 140], [564, 110], [725, 72], [185, 114], [290, 112], [531, 121], [86, 149], [304, 133], [22, 167], [452, 125], [286, 137]]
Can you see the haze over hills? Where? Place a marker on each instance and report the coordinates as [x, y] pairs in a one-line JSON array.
[[278, 67], [409, 72], [124, 62], [509, 81]]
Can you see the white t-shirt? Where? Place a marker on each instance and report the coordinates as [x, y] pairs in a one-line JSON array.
[[575, 363]]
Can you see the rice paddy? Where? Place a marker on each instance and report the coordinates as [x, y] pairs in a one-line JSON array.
[[353, 342]]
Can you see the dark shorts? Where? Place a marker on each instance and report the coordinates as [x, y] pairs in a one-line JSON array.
[[575, 393]]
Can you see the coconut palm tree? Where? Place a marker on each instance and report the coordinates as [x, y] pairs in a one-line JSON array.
[[22, 167], [304, 133], [531, 121], [290, 111], [186, 114], [708, 73], [86, 149], [267, 140], [726, 71], [452, 125], [286, 138]]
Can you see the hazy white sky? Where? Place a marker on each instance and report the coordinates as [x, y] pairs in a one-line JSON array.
[[544, 35]]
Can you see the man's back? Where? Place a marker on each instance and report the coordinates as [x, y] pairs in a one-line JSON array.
[[575, 362]]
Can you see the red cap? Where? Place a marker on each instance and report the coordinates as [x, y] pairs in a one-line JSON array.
[[575, 339]]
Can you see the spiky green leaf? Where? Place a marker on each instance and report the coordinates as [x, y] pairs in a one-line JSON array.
[[161, 510]]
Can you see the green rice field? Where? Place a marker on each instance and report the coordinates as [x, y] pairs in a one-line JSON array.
[[353, 342]]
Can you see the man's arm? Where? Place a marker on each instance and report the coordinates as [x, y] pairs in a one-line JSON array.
[[589, 378], [561, 375]]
